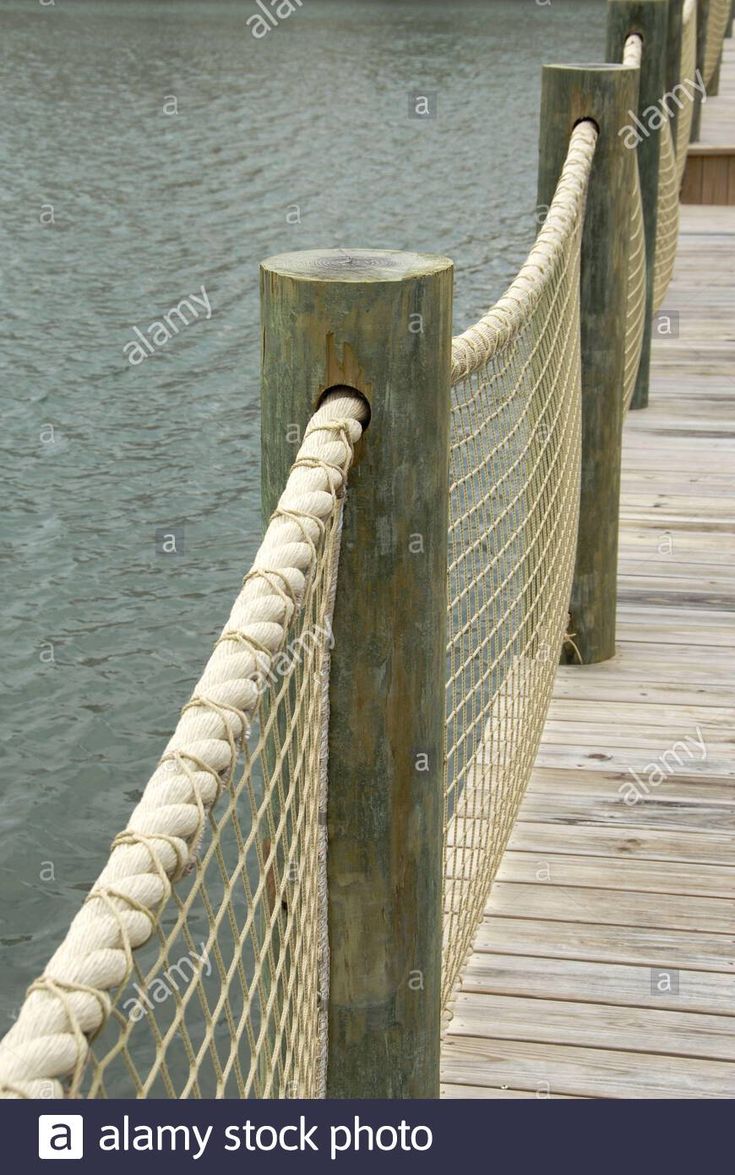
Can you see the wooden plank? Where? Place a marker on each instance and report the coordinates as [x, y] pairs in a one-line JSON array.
[[629, 760], [607, 1026], [616, 907], [721, 167], [599, 984], [643, 714], [652, 844], [563, 1069], [449, 1090], [675, 877], [651, 813], [606, 784], [634, 945]]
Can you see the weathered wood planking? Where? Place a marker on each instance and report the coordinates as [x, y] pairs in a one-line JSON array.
[[594, 895]]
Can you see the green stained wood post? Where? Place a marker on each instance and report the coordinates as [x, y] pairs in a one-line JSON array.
[[714, 86], [702, 21], [605, 94], [673, 58], [379, 322], [728, 31], [649, 20]]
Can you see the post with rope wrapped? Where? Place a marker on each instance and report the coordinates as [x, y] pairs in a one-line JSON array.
[[604, 94], [673, 59], [379, 322], [647, 19], [703, 7]]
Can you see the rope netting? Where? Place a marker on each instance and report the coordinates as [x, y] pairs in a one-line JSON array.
[[636, 300], [667, 222], [718, 19], [635, 319], [514, 501], [198, 964]]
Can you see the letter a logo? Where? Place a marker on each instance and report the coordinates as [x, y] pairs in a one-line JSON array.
[[60, 1136]]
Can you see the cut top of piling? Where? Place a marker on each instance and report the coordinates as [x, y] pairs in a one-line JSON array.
[[355, 265]]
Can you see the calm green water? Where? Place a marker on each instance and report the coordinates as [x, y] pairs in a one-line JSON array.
[[102, 635]]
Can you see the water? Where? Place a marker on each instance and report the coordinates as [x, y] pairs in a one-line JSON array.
[[102, 636]]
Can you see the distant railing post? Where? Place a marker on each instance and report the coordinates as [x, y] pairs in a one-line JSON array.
[[379, 322], [649, 19], [673, 57], [714, 86], [702, 22], [606, 94]]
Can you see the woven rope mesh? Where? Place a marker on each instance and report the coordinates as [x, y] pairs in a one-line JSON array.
[[667, 223], [198, 965], [514, 501], [688, 69], [245, 1024], [717, 22], [636, 308], [636, 304]]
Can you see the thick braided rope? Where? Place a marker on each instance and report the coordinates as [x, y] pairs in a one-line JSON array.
[[717, 21], [69, 1004], [633, 51], [474, 347]]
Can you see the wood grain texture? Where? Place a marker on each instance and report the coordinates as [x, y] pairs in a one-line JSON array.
[[605, 94], [673, 56], [702, 19], [650, 20], [379, 322]]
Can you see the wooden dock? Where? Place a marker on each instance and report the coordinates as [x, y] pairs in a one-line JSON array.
[[605, 965], [710, 171]]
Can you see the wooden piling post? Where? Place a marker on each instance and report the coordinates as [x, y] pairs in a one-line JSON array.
[[702, 22], [607, 94], [649, 20], [380, 322], [673, 58]]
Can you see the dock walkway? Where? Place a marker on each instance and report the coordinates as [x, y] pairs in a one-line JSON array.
[[605, 964]]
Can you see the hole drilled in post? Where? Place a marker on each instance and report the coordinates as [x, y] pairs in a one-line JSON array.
[[342, 390]]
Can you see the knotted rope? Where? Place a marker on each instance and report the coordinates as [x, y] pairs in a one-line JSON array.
[[74, 997]]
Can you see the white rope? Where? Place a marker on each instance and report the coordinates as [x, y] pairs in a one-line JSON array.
[[633, 51], [475, 346], [71, 1002]]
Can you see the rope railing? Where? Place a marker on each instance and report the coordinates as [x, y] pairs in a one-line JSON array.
[[717, 22], [636, 310], [687, 72], [217, 955], [514, 497], [143, 997], [667, 231]]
